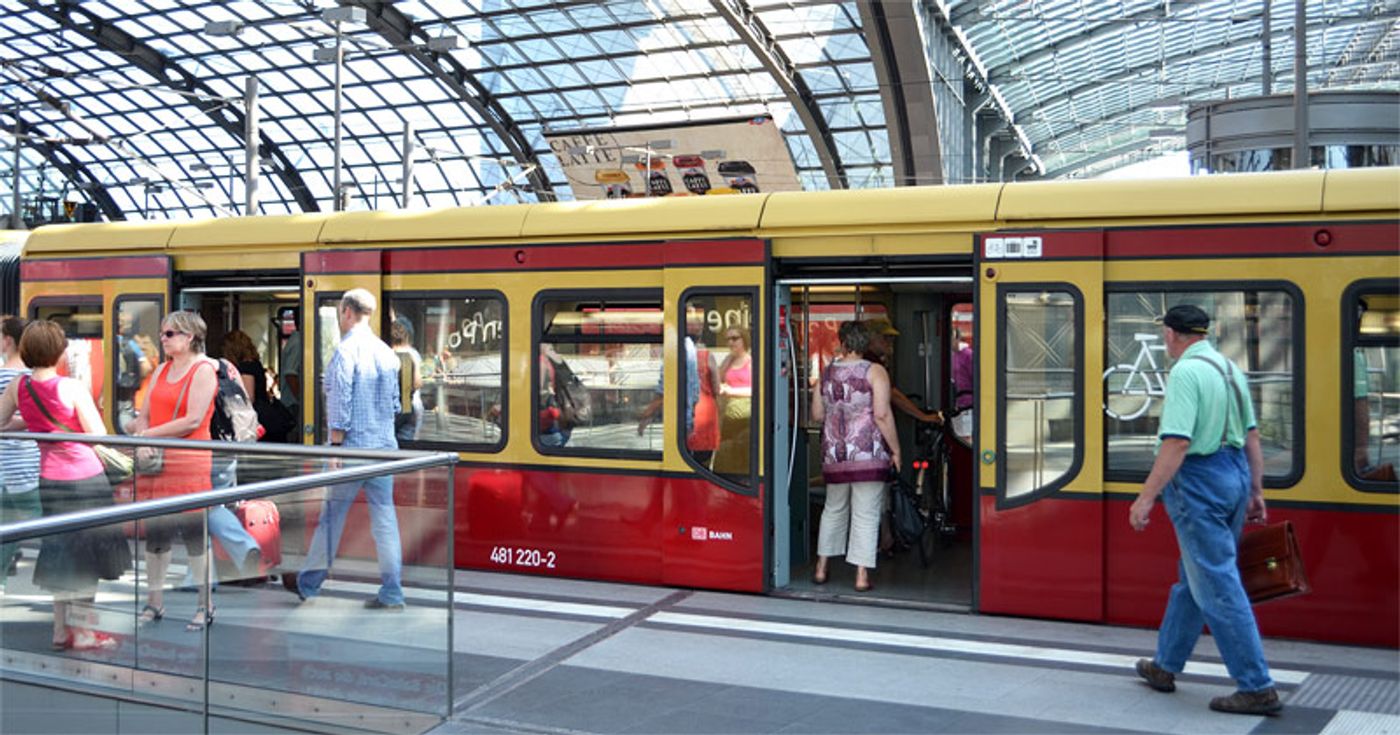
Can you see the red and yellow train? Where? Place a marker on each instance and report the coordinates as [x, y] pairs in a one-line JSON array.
[[694, 327]]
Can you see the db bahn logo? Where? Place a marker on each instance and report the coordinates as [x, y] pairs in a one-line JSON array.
[[701, 533]]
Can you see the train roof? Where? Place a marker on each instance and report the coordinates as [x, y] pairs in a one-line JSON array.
[[973, 207]]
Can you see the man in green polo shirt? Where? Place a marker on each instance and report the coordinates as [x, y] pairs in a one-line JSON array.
[[1209, 473]]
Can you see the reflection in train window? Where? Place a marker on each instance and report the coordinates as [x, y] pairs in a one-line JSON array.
[[81, 319], [137, 354], [598, 371], [456, 345], [718, 384], [1371, 406], [1040, 424], [1252, 327]]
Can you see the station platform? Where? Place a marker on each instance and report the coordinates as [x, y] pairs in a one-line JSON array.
[[540, 655], [555, 656]]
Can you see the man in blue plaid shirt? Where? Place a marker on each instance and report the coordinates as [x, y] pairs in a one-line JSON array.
[[362, 399]]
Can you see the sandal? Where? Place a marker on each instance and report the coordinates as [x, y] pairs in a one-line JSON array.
[[203, 618], [98, 641], [150, 614]]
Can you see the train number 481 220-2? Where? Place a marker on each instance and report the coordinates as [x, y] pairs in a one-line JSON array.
[[520, 557]]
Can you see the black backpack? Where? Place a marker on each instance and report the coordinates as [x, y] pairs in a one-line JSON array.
[[571, 397]]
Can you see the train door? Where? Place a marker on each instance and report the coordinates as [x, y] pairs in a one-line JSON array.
[[327, 275], [111, 310], [910, 319], [714, 530], [1040, 338]]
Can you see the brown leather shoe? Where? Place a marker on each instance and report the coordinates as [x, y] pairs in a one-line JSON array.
[[1264, 702], [1156, 677]]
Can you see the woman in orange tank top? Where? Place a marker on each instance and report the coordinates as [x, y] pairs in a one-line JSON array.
[[180, 405]]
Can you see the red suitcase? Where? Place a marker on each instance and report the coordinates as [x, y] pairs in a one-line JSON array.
[[264, 523], [262, 520]]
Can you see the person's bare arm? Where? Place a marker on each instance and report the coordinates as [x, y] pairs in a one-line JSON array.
[[884, 417], [1254, 452]]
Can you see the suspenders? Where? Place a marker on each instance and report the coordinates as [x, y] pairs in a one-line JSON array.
[[1235, 389]]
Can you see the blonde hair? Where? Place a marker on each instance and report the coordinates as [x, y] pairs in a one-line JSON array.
[[190, 323]]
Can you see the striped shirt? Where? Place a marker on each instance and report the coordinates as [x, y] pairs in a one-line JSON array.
[[362, 390], [19, 460]]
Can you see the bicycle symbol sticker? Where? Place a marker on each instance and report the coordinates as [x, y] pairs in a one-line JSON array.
[[1129, 389]]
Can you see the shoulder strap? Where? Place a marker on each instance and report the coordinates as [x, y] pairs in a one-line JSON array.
[[29, 385], [1233, 390], [185, 389]]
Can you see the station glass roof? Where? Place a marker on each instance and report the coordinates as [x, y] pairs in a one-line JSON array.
[[136, 106]]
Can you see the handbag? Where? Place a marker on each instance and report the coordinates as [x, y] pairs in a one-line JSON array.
[[905, 519], [1271, 564], [116, 465]]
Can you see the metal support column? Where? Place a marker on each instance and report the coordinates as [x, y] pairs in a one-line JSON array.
[[1301, 152], [251, 162], [407, 183]]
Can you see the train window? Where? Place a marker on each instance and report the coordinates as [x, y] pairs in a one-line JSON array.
[[137, 353], [456, 345], [1040, 375], [327, 326], [1371, 374], [81, 319], [598, 368], [717, 372], [1256, 328]]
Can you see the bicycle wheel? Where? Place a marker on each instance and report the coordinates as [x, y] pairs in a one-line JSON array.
[[1125, 393]]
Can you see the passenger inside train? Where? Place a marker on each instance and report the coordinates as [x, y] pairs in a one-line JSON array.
[[930, 376]]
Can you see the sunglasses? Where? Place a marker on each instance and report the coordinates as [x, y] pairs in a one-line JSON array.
[[170, 333]]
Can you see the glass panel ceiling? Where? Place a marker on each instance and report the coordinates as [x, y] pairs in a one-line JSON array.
[[478, 112], [1095, 85], [1090, 86]]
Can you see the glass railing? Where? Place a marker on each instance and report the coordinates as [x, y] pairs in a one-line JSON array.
[[113, 600]]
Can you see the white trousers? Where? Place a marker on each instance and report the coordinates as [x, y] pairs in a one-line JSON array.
[[855, 506]]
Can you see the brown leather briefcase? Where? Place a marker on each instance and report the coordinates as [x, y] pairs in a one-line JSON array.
[[1271, 565]]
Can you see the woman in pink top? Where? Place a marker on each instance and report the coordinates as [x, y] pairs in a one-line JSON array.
[[736, 405], [70, 479]]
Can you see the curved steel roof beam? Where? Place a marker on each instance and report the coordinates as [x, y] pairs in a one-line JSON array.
[[70, 167], [755, 35], [400, 30], [72, 17], [1197, 53], [1101, 28], [901, 67]]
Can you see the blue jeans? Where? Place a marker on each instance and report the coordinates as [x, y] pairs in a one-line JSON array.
[[1206, 502], [384, 526]]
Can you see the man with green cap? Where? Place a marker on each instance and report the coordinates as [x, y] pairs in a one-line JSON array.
[[1209, 474]]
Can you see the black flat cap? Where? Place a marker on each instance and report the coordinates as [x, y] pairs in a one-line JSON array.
[[1186, 319]]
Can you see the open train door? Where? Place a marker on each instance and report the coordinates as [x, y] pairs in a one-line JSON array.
[[326, 276], [1039, 424]]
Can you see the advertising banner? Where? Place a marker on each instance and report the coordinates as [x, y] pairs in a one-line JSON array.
[[734, 156]]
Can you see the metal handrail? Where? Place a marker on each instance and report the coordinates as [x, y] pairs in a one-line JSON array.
[[394, 463], [208, 445]]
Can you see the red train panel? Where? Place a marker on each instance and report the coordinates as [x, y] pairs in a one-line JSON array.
[[1351, 557], [1042, 559], [630, 527]]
